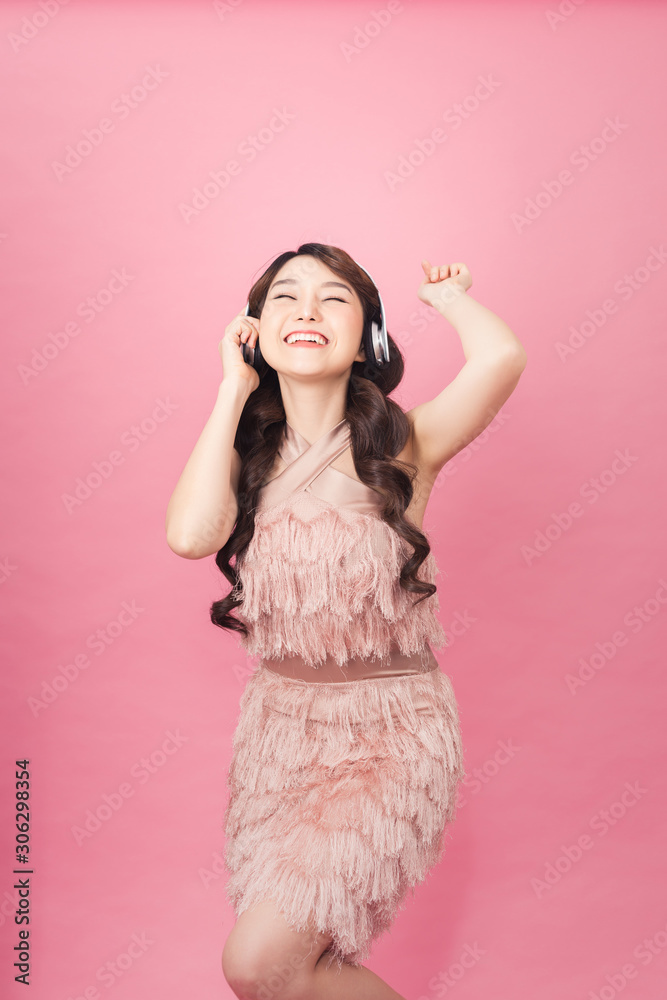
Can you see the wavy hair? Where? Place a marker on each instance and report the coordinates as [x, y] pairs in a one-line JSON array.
[[379, 430]]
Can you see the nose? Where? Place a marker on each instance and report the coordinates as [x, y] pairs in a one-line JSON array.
[[306, 309]]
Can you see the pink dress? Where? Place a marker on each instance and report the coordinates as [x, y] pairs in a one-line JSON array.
[[347, 752]]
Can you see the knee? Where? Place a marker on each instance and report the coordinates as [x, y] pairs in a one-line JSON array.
[[264, 958], [240, 970], [255, 973]]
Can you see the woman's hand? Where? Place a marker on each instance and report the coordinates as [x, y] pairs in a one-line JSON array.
[[242, 329], [442, 282]]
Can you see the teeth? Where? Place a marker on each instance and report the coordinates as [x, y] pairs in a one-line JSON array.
[[292, 339]]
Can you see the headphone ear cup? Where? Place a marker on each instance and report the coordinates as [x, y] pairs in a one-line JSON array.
[[369, 354], [253, 356], [380, 344], [375, 333], [371, 338], [258, 361]]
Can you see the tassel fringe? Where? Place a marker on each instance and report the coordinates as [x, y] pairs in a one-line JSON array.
[[318, 581], [339, 798]]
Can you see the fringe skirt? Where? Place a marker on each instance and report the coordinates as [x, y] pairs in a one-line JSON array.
[[339, 797]]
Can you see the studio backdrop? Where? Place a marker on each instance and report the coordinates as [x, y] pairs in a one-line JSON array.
[[155, 158]]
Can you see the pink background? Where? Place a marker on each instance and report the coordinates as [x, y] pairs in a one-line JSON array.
[[139, 379]]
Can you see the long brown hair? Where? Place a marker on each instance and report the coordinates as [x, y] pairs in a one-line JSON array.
[[379, 430]]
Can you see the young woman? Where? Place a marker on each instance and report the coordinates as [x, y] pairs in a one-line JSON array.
[[347, 753]]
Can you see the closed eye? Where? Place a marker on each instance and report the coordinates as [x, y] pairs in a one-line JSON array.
[[332, 298]]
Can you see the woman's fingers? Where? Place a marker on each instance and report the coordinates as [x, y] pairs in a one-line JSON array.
[[438, 273], [441, 272], [248, 325]]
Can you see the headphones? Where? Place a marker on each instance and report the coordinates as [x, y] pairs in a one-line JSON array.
[[375, 341]]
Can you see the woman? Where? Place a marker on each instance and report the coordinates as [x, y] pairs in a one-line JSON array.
[[347, 752]]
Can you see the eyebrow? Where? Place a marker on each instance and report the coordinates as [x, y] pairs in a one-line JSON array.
[[325, 284]]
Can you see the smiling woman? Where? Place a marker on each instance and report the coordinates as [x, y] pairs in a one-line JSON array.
[[347, 751]]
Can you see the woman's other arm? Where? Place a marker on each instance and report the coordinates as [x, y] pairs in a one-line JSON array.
[[203, 508]]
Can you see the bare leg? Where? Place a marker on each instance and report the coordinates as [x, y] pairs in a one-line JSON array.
[[265, 959], [351, 982]]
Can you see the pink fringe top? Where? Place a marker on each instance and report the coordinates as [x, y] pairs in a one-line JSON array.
[[320, 577]]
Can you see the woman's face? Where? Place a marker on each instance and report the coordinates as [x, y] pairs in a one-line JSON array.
[[305, 295]]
